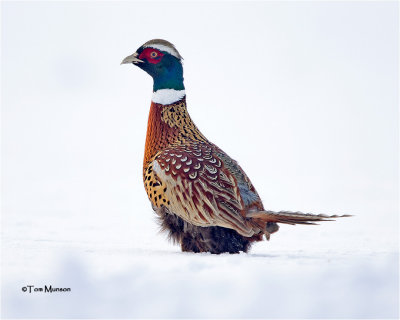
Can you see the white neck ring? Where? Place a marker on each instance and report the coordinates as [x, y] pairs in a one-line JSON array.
[[167, 96]]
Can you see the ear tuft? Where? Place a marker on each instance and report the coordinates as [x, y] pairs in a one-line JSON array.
[[163, 45]]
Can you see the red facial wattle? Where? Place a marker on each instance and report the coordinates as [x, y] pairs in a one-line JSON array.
[[151, 55]]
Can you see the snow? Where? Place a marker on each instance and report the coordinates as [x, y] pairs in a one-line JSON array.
[[121, 267]]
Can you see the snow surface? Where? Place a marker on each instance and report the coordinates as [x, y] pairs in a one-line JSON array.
[[118, 268]]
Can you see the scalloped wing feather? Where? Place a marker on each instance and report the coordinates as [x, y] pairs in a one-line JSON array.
[[201, 190]]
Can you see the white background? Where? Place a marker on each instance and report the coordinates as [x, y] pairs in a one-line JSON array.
[[303, 94]]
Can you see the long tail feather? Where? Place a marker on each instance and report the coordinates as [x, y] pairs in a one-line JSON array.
[[289, 217]]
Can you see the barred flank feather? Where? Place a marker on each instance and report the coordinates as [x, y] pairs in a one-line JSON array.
[[199, 239]]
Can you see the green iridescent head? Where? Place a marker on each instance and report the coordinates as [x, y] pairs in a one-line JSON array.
[[160, 59]]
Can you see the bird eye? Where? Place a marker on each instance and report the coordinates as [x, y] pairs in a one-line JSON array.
[[153, 54]]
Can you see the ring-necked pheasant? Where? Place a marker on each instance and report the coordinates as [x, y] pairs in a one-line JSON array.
[[201, 195]]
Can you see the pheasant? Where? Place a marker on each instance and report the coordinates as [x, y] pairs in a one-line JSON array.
[[203, 198]]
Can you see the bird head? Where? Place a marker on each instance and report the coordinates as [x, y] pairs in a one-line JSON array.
[[160, 59]]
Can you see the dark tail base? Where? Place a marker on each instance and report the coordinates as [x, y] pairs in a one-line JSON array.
[[192, 238]]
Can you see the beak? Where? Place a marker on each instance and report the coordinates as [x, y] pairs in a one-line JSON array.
[[132, 59]]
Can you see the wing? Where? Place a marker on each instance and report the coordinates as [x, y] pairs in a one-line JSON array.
[[197, 185], [248, 193]]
